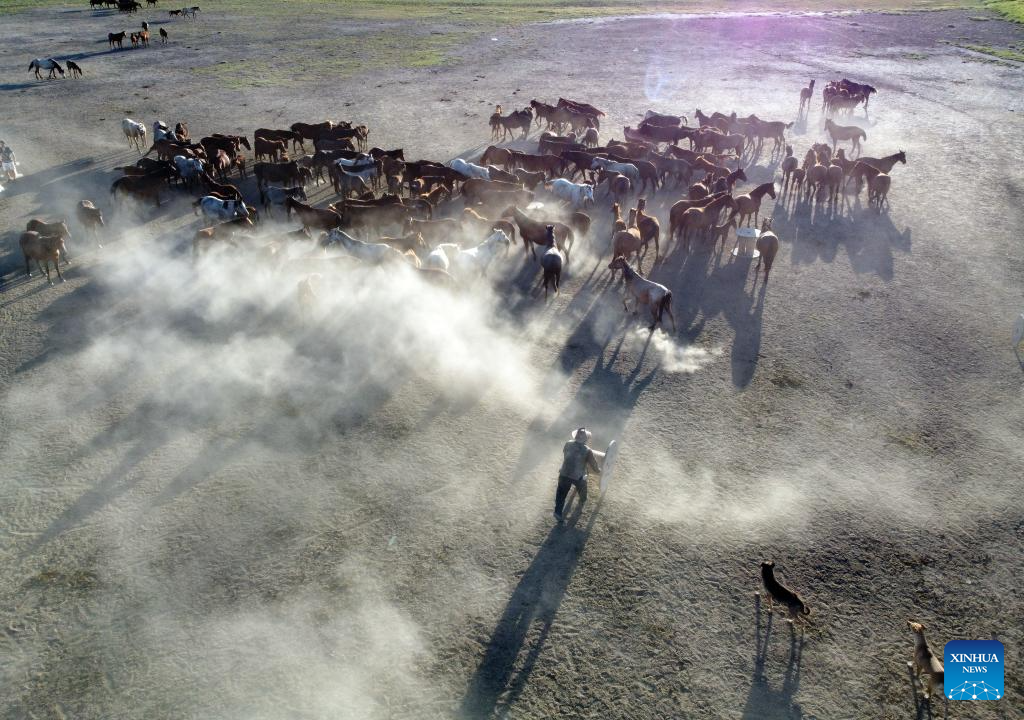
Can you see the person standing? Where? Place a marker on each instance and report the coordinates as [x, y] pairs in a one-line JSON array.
[[577, 459], [8, 162]]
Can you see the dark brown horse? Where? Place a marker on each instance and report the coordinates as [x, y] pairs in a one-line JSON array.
[[312, 217]]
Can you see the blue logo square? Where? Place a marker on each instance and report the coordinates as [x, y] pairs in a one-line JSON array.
[[973, 670]]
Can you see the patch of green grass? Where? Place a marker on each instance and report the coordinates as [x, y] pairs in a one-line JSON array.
[[1012, 10], [1001, 53], [337, 58]]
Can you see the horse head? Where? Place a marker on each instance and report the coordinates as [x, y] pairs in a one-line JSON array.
[[902, 157]]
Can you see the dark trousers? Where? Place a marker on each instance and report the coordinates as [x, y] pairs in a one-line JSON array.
[[564, 483]]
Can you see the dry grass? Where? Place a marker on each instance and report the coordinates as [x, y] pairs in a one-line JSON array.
[[518, 11]]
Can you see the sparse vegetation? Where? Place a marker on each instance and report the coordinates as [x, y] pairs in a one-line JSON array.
[[1001, 53], [518, 11]]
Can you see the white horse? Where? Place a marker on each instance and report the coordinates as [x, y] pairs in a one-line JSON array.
[[160, 130], [46, 64], [655, 297], [213, 207], [135, 132], [628, 169], [576, 194], [437, 260], [475, 260], [375, 253], [469, 169], [188, 168]]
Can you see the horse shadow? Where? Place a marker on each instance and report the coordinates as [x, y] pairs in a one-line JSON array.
[[726, 294], [527, 620], [764, 703], [23, 85], [819, 230]]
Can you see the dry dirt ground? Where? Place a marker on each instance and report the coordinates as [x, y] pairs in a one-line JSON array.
[[216, 507]]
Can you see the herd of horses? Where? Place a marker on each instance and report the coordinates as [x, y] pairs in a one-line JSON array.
[[389, 208]]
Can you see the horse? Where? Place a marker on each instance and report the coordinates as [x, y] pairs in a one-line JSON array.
[[58, 228], [219, 209], [375, 253], [312, 217], [551, 262], [885, 164], [276, 150], [878, 190], [805, 97], [655, 296], [221, 190], [134, 133], [220, 231], [74, 69], [701, 218], [817, 176], [144, 186], [629, 241], [789, 164], [508, 124], [628, 169], [768, 245], [575, 194], [90, 217], [44, 249], [469, 169], [840, 133], [46, 64], [188, 168], [270, 134], [116, 39], [678, 209], [472, 216], [163, 35], [750, 203], [649, 227], [475, 259], [534, 232]]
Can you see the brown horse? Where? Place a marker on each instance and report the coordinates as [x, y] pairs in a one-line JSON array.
[[312, 217], [145, 186], [768, 246], [677, 211], [508, 124], [90, 217], [629, 242], [650, 228], [44, 249], [750, 203], [534, 232], [700, 219], [805, 97]]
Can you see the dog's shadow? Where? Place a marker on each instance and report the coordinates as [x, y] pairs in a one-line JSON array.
[[764, 702], [922, 706]]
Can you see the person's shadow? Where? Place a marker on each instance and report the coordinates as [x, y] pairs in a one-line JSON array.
[[503, 673], [764, 703]]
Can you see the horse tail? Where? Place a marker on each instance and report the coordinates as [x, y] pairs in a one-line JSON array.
[[863, 135], [31, 64]]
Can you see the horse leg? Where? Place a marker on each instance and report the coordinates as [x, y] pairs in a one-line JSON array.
[[56, 264]]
